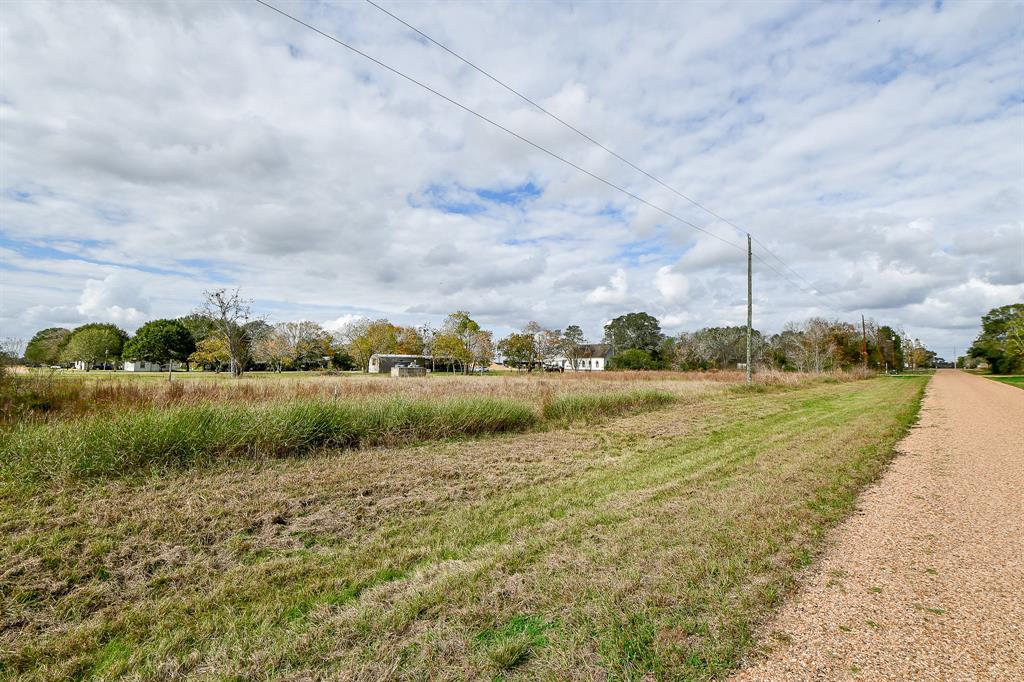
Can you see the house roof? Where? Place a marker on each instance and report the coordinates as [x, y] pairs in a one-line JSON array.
[[595, 350], [397, 355]]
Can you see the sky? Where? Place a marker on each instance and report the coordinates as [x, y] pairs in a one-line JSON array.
[[151, 151]]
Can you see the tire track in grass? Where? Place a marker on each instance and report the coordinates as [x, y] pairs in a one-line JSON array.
[[475, 553]]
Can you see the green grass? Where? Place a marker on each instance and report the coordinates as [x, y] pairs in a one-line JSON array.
[[588, 406], [155, 440], [1016, 380], [648, 547]]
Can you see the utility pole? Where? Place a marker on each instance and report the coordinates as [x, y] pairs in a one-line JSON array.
[[864, 341], [750, 314]]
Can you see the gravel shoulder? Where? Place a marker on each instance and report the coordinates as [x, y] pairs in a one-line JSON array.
[[926, 580]]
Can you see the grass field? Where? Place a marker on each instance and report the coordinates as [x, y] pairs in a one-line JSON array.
[[647, 544]]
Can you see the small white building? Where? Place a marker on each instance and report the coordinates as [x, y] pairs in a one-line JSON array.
[[143, 366], [381, 363]]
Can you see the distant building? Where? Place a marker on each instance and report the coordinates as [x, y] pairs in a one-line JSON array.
[[381, 363], [144, 366], [593, 358]]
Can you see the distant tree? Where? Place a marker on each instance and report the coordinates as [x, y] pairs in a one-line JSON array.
[[408, 341], [93, 343], [890, 348], [549, 345], [634, 330], [211, 352], [272, 349], [12, 350], [198, 326], [451, 348], [382, 337], [517, 350], [307, 343], [229, 313], [461, 327], [1001, 342], [45, 346], [162, 342], [571, 345], [481, 347], [633, 358]]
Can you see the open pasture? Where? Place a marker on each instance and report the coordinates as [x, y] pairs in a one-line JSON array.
[[57, 394], [648, 540]]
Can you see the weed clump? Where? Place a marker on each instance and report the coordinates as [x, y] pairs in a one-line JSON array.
[[586, 406]]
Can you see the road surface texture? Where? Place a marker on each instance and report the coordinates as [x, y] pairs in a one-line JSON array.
[[926, 580]]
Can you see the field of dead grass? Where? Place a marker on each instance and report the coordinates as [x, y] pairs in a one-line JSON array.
[[59, 394], [645, 545]]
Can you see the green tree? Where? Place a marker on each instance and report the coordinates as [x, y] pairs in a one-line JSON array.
[[45, 346], [633, 358], [1001, 342], [450, 348], [463, 328], [229, 316], [634, 330], [517, 350], [162, 342], [197, 325], [211, 352], [571, 345], [93, 343]]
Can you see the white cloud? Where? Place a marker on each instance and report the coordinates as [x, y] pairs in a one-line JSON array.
[[154, 150], [339, 323], [614, 292], [672, 286]]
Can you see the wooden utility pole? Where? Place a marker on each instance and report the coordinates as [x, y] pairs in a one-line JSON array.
[[864, 341], [750, 314]]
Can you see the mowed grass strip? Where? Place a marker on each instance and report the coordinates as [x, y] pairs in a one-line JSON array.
[[1012, 380], [652, 545], [153, 440]]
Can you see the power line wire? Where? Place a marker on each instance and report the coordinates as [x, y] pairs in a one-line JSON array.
[[501, 127], [587, 137], [525, 139]]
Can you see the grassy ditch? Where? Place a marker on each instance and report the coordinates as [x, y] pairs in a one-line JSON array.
[[154, 440]]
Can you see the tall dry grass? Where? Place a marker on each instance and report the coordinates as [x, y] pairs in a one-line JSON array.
[[54, 396], [156, 439]]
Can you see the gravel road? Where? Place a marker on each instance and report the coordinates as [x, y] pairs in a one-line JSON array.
[[926, 580]]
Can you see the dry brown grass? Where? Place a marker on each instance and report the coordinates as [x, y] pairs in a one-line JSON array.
[[45, 395], [645, 546]]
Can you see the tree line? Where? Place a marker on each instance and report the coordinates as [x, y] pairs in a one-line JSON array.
[[223, 335]]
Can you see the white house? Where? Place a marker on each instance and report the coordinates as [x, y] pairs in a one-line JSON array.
[[381, 363], [142, 366], [593, 358]]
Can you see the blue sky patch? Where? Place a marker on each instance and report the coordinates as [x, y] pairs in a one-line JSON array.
[[510, 196]]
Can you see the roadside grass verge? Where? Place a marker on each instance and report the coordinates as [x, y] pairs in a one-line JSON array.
[[648, 547], [152, 441], [1012, 380]]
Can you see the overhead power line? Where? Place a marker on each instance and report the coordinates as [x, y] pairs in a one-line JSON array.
[[528, 141], [592, 140], [494, 123]]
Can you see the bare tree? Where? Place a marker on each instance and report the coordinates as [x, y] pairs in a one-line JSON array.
[[229, 314]]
